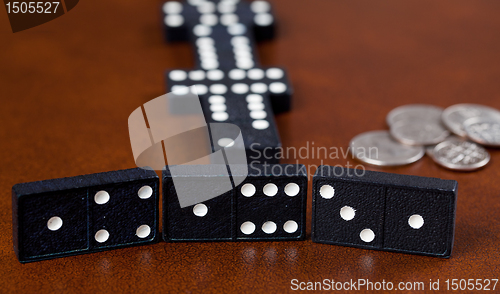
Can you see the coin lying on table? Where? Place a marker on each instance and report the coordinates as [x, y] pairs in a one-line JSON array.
[[421, 112], [459, 154], [483, 130], [455, 116], [429, 150], [419, 133], [379, 148]]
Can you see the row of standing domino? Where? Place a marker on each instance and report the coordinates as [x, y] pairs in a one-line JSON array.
[[453, 137], [356, 208]]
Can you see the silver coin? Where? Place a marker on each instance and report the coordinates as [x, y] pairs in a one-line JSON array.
[[419, 132], [429, 150], [420, 112], [485, 131], [379, 148], [455, 116], [459, 154]]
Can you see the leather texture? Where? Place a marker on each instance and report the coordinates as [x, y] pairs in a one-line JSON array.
[[65, 106]]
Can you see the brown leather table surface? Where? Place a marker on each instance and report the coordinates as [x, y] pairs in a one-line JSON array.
[[67, 88]]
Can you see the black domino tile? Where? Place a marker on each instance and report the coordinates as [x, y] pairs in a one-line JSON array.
[[401, 198], [73, 200]]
